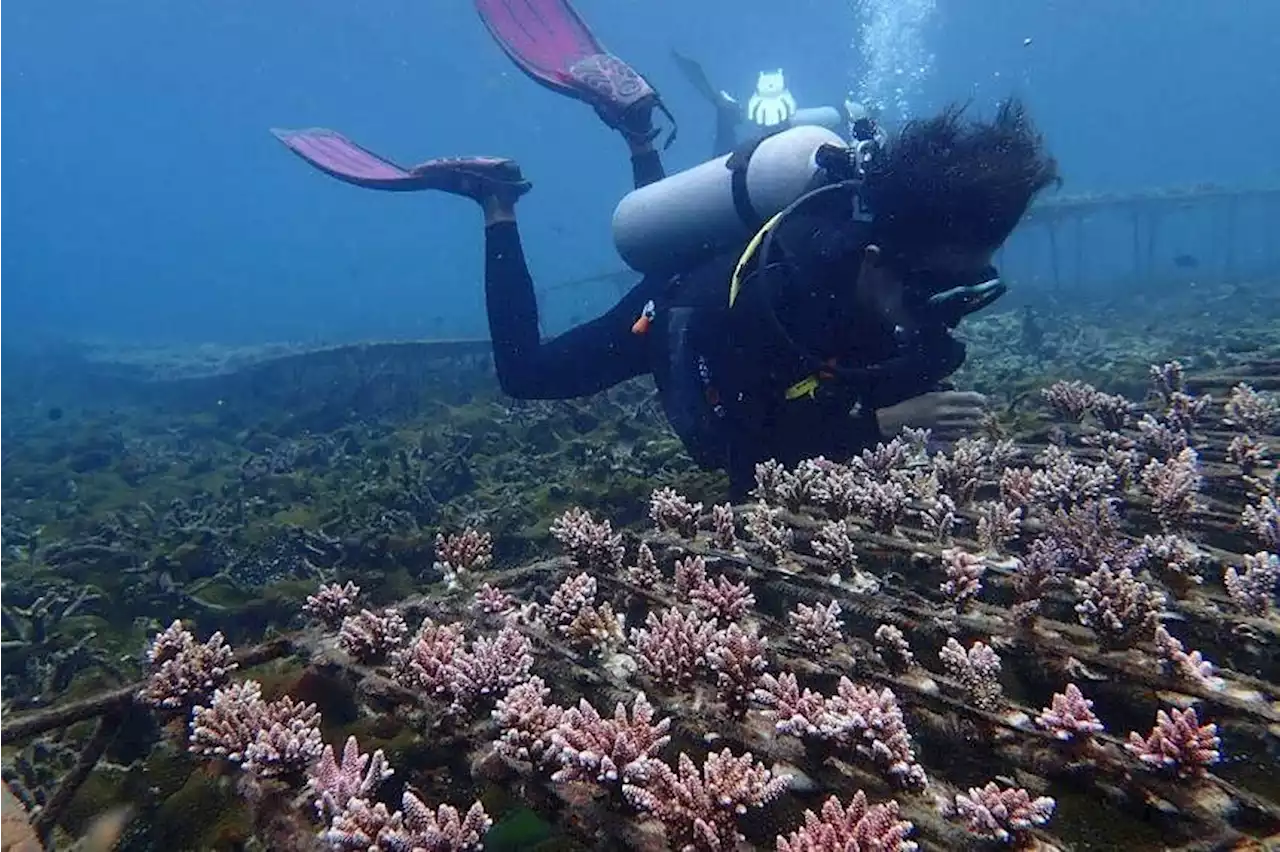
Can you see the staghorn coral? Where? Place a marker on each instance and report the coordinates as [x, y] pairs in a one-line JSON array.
[[335, 784], [366, 827], [1254, 588], [672, 646], [527, 720], [861, 827], [736, 656], [331, 603], [607, 751], [1117, 606], [993, 813], [1070, 716], [1178, 744], [722, 599], [592, 544], [672, 512], [268, 739], [816, 628], [977, 670], [893, 646], [700, 808], [369, 637], [964, 572], [182, 672], [1172, 487], [724, 534], [463, 553]]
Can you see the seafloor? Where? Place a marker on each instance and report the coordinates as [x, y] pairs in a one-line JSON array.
[[1062, 633]]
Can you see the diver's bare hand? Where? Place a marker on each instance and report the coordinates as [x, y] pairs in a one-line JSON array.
[[948, 414]]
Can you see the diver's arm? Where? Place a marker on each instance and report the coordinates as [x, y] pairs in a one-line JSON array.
[[584, 360]]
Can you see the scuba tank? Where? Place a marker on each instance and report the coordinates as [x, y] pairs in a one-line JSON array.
[[673, 224]]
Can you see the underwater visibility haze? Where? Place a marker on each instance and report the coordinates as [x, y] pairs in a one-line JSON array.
[[567, 424]]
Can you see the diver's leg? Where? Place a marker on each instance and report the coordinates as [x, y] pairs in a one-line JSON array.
[[584, 360], [646, 163]]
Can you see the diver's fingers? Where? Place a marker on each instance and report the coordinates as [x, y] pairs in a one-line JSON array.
[[965, 398]]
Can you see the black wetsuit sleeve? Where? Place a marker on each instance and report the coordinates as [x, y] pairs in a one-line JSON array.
[[584, 360]]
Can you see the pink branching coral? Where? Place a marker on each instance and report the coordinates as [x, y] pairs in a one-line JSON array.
[[1177, 744], [672, 646], [977, 670], [700, 809], [335, 784], [365, 827], [644, 573], [490, 667], [1172, 487], [527, 720], [672, 512], [572, 612], [181, 671], [834, 545], [817, 628], [858, 828], [1111, 410], [1263, 520], [608, 751], [724, 535], [856, 717], [1254, 588], [766, 528], [287, 741], [332, 603], [491, 600], [690, 573], [964, 572], [426, 663], [437, 662], [882, 503], [802, 486], [1175, 559], [1064, 481], [1070, 716], [938, 517], [1039, 569], [769, 476], [229, 723], [892, 645], [459, 554], [1070, 400], [592, 544], [999, 814], [722, 599], [1161, 439], [1253, 412], [1118, 606], [960, 473], [737, 658], [268, 739], [997, 525], [1090, 533], [1247, 453], [370, 636], [1175, 660], [797, 713]]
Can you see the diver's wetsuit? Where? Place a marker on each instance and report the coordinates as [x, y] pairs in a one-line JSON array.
[[717, 374]]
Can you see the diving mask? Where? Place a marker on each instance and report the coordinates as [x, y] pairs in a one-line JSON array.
[[946, 299]]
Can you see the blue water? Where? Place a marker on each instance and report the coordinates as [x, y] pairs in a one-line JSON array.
[[144, 200]]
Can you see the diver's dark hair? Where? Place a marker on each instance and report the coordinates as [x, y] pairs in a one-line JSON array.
[[945, 181]]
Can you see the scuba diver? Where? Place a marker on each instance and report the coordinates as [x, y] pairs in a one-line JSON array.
[[772, 108], [798, 296]]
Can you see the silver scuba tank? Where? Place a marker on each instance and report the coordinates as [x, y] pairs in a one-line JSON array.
[[673, 224]]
